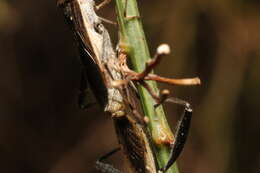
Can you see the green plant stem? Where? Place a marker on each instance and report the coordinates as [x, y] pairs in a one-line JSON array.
[[132, 38]]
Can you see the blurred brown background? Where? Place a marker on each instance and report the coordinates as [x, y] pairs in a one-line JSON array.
[[42, 129]]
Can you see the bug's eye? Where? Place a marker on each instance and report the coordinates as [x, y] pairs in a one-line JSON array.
[[99, 28]]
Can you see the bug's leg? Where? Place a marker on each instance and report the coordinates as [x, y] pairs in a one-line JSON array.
[[102, 4], [107, 21], [180, 134], [104, 167]]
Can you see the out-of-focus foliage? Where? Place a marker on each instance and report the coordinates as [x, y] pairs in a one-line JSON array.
[[42, 129]]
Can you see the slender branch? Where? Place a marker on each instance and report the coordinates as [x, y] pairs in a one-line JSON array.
[[132, 39]]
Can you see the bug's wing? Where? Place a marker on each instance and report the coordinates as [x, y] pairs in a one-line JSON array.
[[86, 96]]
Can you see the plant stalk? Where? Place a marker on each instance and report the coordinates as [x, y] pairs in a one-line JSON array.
[[132, 40]]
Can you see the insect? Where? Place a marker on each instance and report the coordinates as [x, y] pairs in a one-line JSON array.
[[111, 85], [100, 61]]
